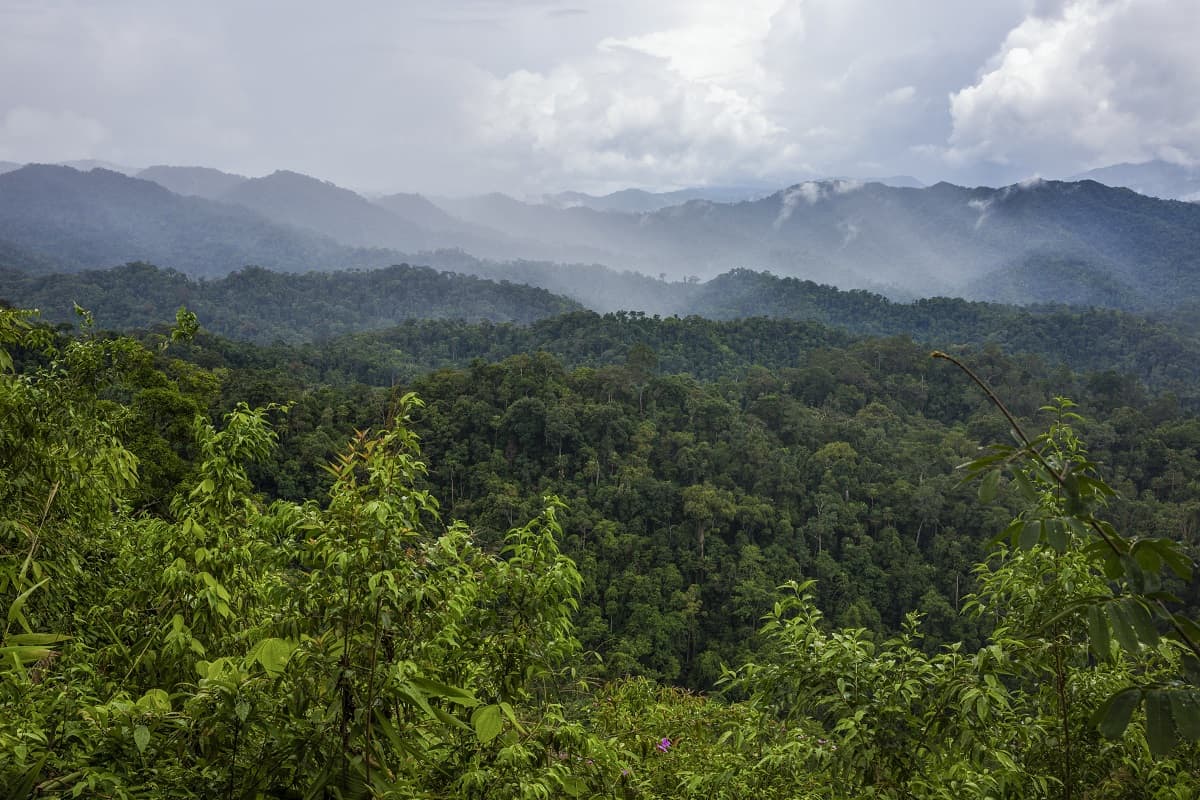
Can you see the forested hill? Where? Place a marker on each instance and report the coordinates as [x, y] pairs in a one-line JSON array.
[[1127, 355], [1096, 338], [264, 306], [210, 599], [703, 463]]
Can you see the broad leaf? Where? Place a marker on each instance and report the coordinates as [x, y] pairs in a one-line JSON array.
[[488, 722]]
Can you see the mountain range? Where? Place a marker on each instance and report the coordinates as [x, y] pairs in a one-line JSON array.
[[1154, 178], [1037, 241]]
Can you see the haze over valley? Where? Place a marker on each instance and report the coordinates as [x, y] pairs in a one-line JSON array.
[[1078, 242]]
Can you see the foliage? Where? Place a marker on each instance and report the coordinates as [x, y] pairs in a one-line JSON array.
[[833, 460], [233, 649], [264, 306], [1120, 593], [218, 643]]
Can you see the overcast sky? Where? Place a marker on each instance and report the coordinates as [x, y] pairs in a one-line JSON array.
[[526, 96]]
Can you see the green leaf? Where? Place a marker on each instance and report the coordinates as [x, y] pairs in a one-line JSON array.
[[1112, 718], [1012, 533], [487, 722], [24, 787], [1147, 555], [1143, 623], [512, 716], [1160, 725], [989, 487], [1056, 535], [274, 655], [141, 737], [1123, 628], [447, 718], [1179, 563], [1030, 535], [1028, 493], [1099, 634], [37, 639], [25, 654], [1185, 708], [453, 694], [416, 697], [155, 701], [14, 610]]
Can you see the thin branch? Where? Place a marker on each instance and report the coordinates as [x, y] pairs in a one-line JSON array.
[[1060, 479], [996, 401]]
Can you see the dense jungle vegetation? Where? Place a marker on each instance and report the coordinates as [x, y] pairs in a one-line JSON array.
[[696, 559]]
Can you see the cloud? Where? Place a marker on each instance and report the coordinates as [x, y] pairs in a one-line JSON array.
[[850, 231], [984, 207], [863, 84], [812, 192], [533, 96], [1090, 83], [674, 107], [899, 96], [36, 134], [773, 89]]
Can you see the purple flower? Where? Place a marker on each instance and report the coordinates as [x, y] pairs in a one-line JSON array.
[[664, 745]]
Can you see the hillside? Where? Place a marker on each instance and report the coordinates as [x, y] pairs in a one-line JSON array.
[[258, 305], [195, 181], [420, 210], [910, 242], [338, 213], [82, 220], [262, 306]]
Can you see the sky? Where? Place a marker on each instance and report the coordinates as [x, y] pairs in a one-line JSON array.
[[533, 96]]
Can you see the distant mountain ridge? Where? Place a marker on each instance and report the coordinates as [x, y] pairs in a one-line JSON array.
[[317, 205], [637, 201], [640, 201], [1153, 178], [1037, 241], [943, 239], [194, 181], [80, 220]]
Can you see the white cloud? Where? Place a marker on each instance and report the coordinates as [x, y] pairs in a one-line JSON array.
[[900, 96], [872, 78], [812, 192], [679, 106], [539, 95], [984, 207], [1095, 82], [777, 89]]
